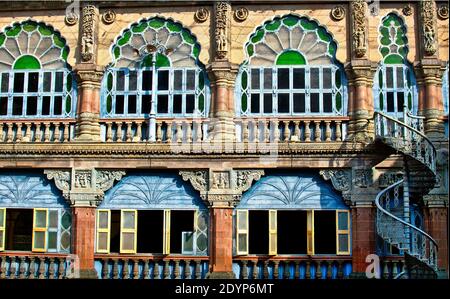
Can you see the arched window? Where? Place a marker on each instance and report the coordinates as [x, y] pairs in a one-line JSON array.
[[291, 69], [35, 79], [155, 70], [394, 84]]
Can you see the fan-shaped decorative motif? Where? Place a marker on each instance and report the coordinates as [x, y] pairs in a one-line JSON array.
[[288, 191], [181, 45], [32, 45], [289, 39], [152, 192], [29, 190], [393, 40]]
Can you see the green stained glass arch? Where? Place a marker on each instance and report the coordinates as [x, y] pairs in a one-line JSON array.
[[134, 46], [31, 45], [393, 40], [291, 37]]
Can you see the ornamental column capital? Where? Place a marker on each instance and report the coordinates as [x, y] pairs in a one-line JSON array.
[[429, 71], [360, 71], [222, 73], [89, 75]]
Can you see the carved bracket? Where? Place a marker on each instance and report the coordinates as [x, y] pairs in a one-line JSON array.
[[62, 179], [341, 179], [199, 179]]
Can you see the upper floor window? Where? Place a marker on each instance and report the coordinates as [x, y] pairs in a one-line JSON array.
[[35, 79], [291, 69], [156, 71], [394, 84]]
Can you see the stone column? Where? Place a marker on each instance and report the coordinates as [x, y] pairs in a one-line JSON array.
[[363, 237]]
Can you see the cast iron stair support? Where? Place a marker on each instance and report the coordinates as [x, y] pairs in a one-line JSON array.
[[419, 154]]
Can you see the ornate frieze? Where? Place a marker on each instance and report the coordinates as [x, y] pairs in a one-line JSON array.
[[359, 36], [362, 177], [201, 15], [338, 13], [241, 14], [222, 11], [389, 177], [88, 30], [428, 22]]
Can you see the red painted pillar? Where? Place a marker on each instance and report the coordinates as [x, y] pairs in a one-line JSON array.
[[363, 237], [436, 224], [83, 236]]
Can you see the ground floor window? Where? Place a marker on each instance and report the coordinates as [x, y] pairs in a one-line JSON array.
[[37, 230], [151, 231], [292, 232]]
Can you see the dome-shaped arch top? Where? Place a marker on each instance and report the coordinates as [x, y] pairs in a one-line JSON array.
[[290, 33], [32, 45], [133, 46], [393, 40]]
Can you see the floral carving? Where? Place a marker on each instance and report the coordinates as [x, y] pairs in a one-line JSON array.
[[61, 177], [359, 17], [198, 179], [338, 13], [241, 14], [341, 179], [245, 178], [428, 19], [222, 12], [109, 16], [201, 15], [442, 12], [104, 179]]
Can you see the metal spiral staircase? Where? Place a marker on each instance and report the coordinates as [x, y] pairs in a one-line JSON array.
[[393, 203]]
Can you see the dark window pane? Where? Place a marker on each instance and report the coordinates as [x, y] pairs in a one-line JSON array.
[[299, 78], [17, 106], [3, 105], [120, 80], [400, 101], [283, 103], [255, 79], [59, 81], [146, 104], [177, 103], [255, 103], [190, 80], [268, 103], [18, 82], [326, 78], [299, 102], [33, 82], [119, 104], [325, 232], [31, 105], [131, 104], [258, 228], [46, 105], [163, 106], [163, 80], [268, 78], [57, 106], [314, 78], [389, 77], [287, 244], [5, 82], [132, 80], [283, 78], [147, 80], [47, 82], [314, 102], [190, 103], [390, 102], [327, 102], [400, 82], [178, 80]]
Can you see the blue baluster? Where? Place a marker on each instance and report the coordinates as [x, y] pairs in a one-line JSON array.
[[312, 270], [302, 270], [334, 270], [323, 270]]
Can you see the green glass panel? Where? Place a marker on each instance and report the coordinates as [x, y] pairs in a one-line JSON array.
[[201, 103], [126, 37], [162, 60], [273, 25], [44, 30], [384, 51], [332, 49], [65, 53], [66, 220], [290, 21], [323, 34], [291, 58], [109, 104], [69, 82], [244, 80], [68, 104], [29, 26], [187, 36], [196, 50], [58, 41], [116, 52], [139, 27], [250, 50], [2, 39], [27, 62], [380, 79], [174, 27], [156, 23], [403, 51], [393, 59], [109, 81], [258, 36], [381, 101], [384, 32], [391, 18], [14, 31], [408, 77], [201, 80], [307, 24], [400, 40], [409, 101], [2, 217], [244, 102], [147, 61], [337, 79], [385, 41], [338, 101]]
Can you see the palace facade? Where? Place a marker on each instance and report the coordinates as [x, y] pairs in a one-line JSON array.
[[223, 139]]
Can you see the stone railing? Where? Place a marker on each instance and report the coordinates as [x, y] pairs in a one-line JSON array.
[[34, 131], [150, 267], [24, 265], [279, 267], [392, 266]]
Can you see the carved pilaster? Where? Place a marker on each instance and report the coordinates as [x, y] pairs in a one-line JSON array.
[[89, 32], [427, 12], [359, 28], [222, 13]]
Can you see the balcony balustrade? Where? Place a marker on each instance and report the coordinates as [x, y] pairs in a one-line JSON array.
[[36, 131]]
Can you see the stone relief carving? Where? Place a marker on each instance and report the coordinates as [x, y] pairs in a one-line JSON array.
[[362, 177], [222, 12], [407, 10], [389, 177], [201, 15], [428, 19], [71, 18], [61, 177], [198, 179], [442, 12], [359, 17], [338, 13], [88, 29], [245, 178], [109, 17], [83, 179], [221, 180], [104, 179], [341, 179], [241, 14]]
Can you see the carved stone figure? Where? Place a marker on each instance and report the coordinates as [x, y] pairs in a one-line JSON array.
[[221, 180], [104, 179], [222, 12], [362, 177], [341, 179], [88, 29], [198, 179], [83, 179], [359, 17], [389, 177], [428, 20]]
